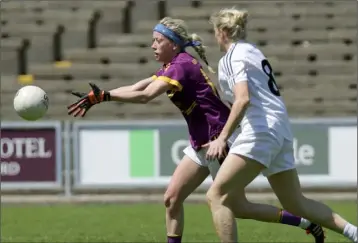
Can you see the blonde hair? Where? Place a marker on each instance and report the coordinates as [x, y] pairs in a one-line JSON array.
[[231, 20], [180, 28]]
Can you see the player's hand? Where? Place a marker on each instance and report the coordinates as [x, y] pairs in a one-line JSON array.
[[86, 101], [216, 149]]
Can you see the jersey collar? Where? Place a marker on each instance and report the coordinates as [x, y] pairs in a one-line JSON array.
[[234, 44], [231, 47]]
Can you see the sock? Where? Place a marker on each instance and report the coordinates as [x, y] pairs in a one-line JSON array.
[[174, 238], [289, 219], [350, 231], [304, 223]]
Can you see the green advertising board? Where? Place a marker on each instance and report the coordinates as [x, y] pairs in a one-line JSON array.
[[310, 148]]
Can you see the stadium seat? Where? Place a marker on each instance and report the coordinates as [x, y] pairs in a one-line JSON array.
[[111, 55], [126, 40], [9, 48], [62, 16], [31, 5], [94, 71], [310, 45]]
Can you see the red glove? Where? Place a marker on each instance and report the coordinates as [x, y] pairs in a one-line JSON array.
[[86, 101]]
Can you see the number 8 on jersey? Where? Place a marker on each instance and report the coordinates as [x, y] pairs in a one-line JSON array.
[[266, 67]]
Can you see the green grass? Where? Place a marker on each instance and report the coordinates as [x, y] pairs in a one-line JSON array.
[[138, 223]]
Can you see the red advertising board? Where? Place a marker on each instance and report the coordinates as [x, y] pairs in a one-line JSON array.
[[29, 155]]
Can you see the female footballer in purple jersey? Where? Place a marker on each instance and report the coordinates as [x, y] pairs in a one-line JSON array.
[[183, 79]]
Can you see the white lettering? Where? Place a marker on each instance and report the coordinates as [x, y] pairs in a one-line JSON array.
[[31, 148], [6, 143], [24, 147], [42, 153], [19, 142], [10, 168], [178, 146], [304, 154]]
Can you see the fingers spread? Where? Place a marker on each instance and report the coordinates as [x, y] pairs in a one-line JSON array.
[[77, 103], [78, 94], [73, 107], [205, 145], [83, 112], [77, 112]]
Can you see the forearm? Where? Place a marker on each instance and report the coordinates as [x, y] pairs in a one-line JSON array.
[[152, 90], [237, 113], [140, 85], [138, 97], [132, 93], [122, 89]]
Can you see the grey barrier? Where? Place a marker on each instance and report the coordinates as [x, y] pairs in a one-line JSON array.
[[131, 155]]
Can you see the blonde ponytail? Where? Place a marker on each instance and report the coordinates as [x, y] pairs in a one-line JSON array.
[[201, 50], [179, 27]]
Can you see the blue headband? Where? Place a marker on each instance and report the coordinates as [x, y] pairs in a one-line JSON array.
[[161, 28]]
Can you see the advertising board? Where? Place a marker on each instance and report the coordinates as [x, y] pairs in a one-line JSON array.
[[145, 154], [30, 155]]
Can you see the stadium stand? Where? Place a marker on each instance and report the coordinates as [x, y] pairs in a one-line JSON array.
[[61, 45]]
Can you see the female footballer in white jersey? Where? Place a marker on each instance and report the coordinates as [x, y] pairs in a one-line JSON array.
[[265, 142]]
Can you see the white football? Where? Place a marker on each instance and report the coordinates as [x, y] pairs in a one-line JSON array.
[[31, 102]]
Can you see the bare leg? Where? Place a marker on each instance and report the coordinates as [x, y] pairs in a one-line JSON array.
[[235, 174], [288, 190], [244, 209], [187, 177]]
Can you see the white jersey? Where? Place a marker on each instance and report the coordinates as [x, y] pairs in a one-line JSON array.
[[244, 62]]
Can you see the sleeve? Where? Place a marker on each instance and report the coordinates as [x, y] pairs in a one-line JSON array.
[[174, 75], [239, 71], [157, 74]]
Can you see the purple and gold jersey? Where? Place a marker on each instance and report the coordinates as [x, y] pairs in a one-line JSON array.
[[196, 97]]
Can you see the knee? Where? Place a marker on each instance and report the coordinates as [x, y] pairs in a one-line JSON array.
[[172, 202], [214, 196]]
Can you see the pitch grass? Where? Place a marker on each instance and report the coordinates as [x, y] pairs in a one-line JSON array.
[[138, 223]]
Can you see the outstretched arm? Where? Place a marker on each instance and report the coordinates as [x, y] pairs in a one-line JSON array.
[[140, 85], [170, 78], [141, 92], [139, 95]]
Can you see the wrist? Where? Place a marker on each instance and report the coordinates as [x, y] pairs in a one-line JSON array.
[[106, 96], [223, 137]]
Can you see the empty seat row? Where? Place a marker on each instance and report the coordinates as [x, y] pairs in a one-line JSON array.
[[123, 54], [135, 71], [311, 47], [38, 6], [272, 9], [264, 25]]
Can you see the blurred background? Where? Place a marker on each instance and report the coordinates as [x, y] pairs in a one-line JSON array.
[[127, 152]]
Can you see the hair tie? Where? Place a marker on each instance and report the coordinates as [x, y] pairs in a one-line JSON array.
[[193, 43]]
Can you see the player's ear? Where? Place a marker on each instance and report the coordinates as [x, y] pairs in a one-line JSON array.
[[224, 35], [175, 47]]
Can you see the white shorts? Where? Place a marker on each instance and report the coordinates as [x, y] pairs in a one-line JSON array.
[[273, 151], [268, 148], [199, 156]]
